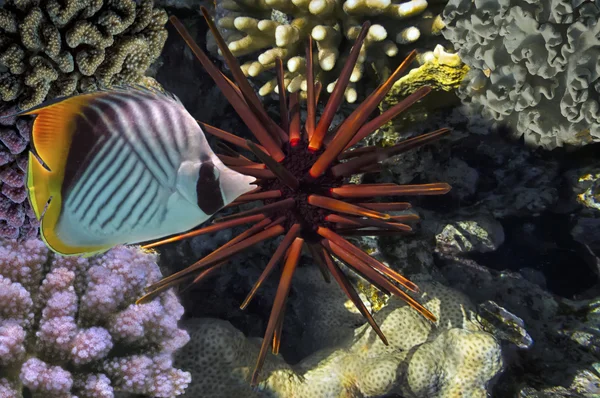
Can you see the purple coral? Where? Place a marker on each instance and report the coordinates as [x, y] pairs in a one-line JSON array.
[[69, 325], [17, 220]]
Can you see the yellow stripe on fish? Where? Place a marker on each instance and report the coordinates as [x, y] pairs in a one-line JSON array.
[[122, 166]]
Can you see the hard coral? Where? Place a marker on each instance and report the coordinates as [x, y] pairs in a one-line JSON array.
[[534, 65], [282, 27], [456, 358], [69, 325], [17, 220], [50, 48]]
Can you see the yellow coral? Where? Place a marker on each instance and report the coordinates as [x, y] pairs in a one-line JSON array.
[[280, 28], [422, 360], [439, 70]]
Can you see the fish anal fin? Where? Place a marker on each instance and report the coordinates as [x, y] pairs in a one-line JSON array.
[[40, 185], [54, 240]]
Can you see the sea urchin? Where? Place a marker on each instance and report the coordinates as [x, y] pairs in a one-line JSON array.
[[302, 179]]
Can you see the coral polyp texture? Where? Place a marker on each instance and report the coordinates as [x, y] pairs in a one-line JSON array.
[[69, 325], [534, 65], [304, 180], [280, 28], [454, 359], [52, 48], [17, 219]]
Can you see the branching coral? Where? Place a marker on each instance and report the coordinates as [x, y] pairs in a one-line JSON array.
[[69, 326], [17, 219], [50, 48], [454, 359], [279, 28], [534, 65]]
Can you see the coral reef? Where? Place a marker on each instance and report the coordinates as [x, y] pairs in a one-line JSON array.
[[50, 48], [421, 361], [533, 65], [566, 336], [279, 28], [69, 325], [17, 220]]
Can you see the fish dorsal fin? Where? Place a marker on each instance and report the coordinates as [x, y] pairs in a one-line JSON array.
[[141, 89], [53, 128]]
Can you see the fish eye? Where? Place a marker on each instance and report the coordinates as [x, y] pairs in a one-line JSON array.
[[208, 173]]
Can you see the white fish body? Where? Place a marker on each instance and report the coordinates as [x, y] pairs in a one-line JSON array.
[[125, 166]]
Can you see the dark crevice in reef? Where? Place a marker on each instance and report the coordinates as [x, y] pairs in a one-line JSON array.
[[542, 243]]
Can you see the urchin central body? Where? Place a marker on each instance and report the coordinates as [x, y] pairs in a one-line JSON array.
[[301, 181], [298, 160]]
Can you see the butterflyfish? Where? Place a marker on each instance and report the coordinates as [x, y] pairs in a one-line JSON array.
[[122, 166]]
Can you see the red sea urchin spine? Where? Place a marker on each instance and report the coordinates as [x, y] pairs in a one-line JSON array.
[[302, 183]]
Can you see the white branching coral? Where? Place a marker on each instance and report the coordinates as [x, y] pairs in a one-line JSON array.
[[534, 65], [280, 28]]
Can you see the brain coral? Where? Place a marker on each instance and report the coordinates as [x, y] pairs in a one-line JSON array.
[[280, 28], [451, 359], [69, 325], [534, 65], [52, 48]]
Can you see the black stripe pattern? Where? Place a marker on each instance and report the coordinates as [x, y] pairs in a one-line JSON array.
[[123, 164]]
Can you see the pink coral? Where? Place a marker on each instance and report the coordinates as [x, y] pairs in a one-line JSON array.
[[17, 220], [75, 324]]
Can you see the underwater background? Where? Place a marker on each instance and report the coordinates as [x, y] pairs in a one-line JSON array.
[[507, 261]]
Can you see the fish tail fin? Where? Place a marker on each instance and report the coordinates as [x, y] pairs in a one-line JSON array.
[[46, 201], [38, 185]]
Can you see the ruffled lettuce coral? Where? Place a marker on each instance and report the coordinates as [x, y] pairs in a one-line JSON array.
[[534, 65], [70, 325], [280, 28]]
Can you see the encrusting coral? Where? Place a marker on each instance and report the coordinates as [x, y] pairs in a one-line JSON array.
[[439, 70], [451, 359], [534, 65], [50, 48], [280, 28], [69, 325]]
